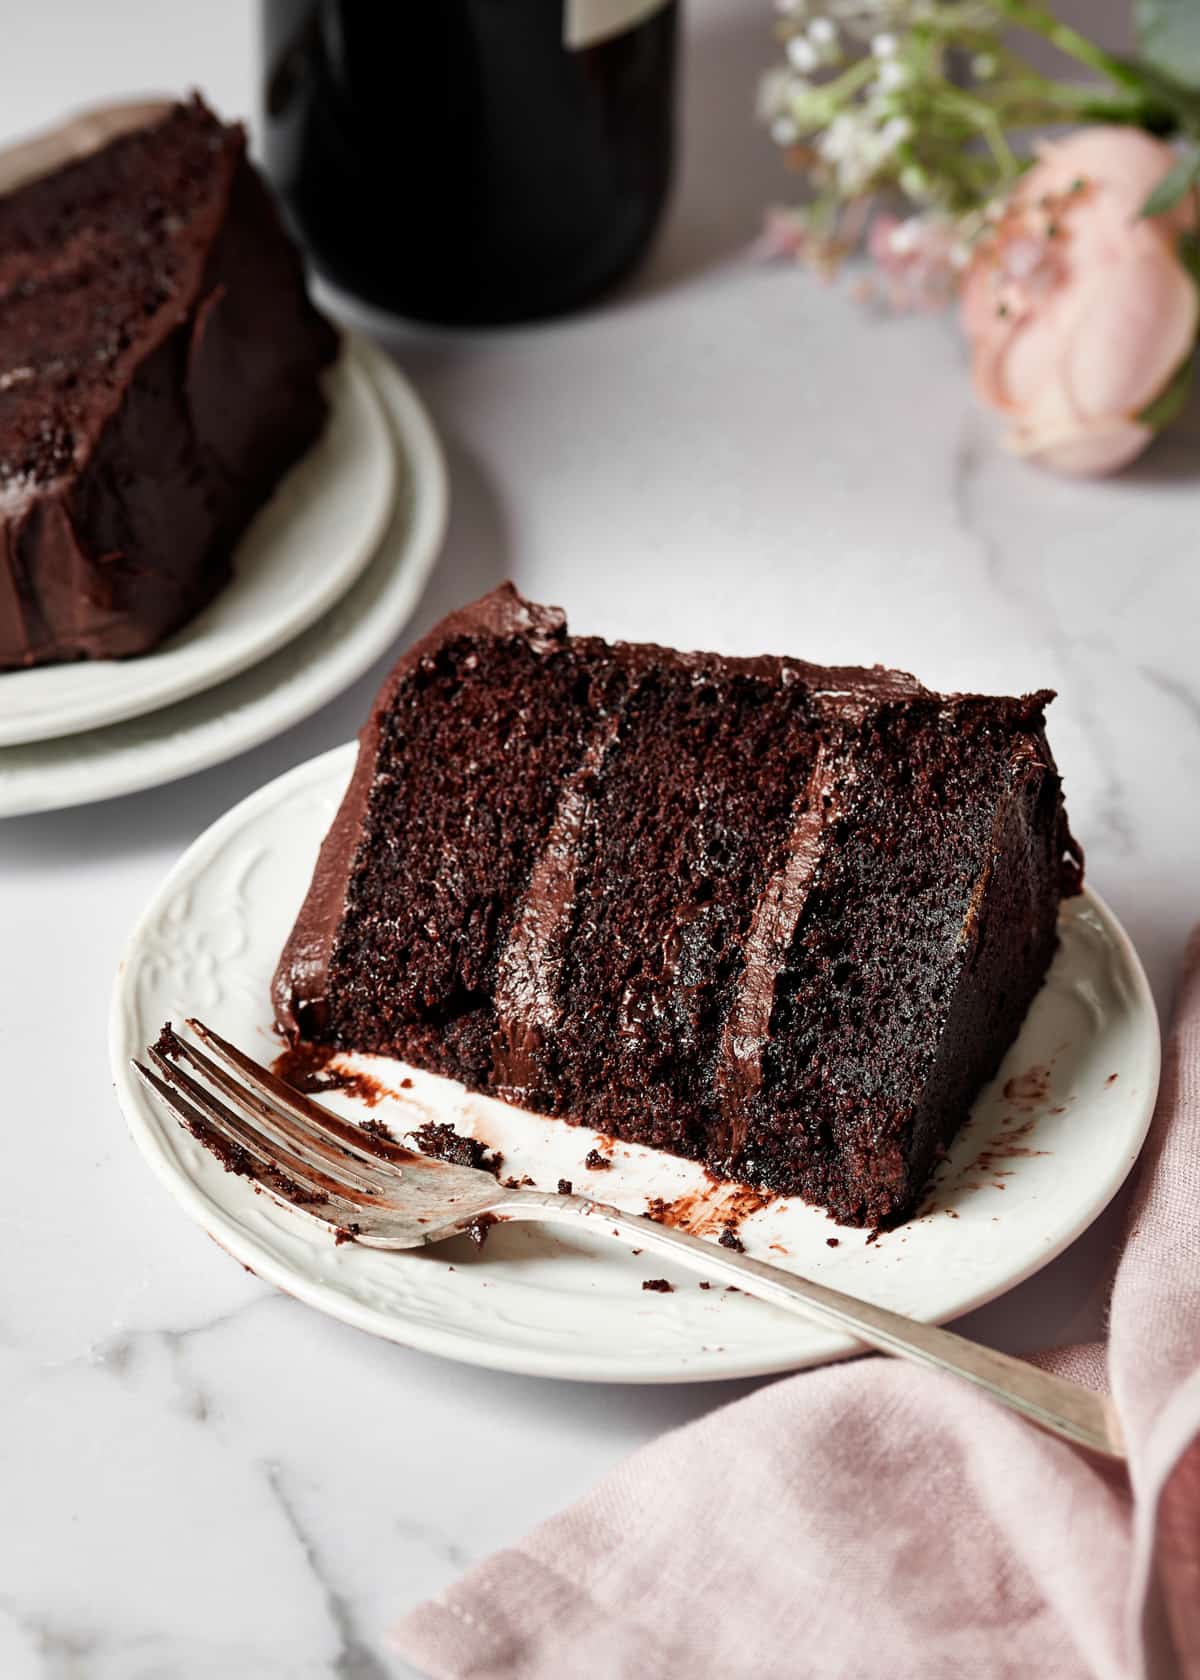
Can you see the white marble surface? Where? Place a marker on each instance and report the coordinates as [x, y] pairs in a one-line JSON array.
[[199, 1477]]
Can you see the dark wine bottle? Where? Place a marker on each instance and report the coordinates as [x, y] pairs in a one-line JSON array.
[[470, 162]]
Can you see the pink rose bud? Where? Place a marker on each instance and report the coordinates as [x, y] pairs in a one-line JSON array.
[[1078, 310]]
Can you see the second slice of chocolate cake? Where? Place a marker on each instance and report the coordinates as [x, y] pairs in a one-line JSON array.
[[781, 919], [160, 372]]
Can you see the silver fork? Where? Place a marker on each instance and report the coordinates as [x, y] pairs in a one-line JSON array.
[[374, 1191]]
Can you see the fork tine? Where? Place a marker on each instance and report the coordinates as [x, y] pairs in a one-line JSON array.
[[241, 1148], [190, 1118], [370, 1148], [259, 1169], [303, 1174], [364, 1172], [247, 1160]]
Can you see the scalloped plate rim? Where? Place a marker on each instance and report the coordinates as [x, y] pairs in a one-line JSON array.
[[489, 1350]]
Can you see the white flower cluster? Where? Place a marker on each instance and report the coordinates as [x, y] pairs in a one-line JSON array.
[[814, 47], [857, 145], [854, 134], [790, 106]]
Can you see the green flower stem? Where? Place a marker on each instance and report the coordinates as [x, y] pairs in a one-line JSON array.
[[986, 119], [1161, 104], [1024, 105], [1039, 21], [849, 81]]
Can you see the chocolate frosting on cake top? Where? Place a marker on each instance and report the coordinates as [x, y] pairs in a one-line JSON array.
[[78, 137]]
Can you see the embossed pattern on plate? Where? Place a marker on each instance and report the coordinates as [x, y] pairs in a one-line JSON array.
[[272, 695], [304, 549], [1047, 1146]]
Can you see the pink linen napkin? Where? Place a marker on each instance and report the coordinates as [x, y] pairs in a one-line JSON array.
[[876, 1519]]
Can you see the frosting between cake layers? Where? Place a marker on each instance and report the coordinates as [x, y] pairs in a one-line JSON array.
[[526, 1008], [772, 927]]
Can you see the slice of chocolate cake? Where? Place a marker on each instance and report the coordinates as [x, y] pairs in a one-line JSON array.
[[159, 372], [780, 919]]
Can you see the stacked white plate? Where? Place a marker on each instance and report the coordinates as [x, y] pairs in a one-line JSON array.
[[324, 580]]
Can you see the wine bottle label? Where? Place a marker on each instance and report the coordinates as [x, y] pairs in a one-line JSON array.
[[587, 21]]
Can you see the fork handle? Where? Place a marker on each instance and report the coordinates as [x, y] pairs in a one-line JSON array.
[[1064, 1408]]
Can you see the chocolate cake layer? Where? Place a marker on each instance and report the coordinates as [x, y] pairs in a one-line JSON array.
[[159, 373], [780, 919]]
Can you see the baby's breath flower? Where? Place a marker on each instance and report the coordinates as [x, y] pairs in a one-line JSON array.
[[892, 76], [884, 46], [895, 131], [802, 54], [822, 36], [806, 107]]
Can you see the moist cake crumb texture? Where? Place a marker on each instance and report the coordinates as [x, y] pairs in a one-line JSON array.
[[440, 1140], [777, 918]]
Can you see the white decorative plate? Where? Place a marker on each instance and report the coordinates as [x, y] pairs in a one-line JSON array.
[[1048, 1145], [304, 550], [273, 695]]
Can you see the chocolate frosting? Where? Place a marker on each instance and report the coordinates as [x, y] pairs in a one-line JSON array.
[[773, 924], [78, 137], [525, 995], [159, 363]]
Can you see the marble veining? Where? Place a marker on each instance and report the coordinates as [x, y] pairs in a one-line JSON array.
[[353, 1659], [202, 1479]]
